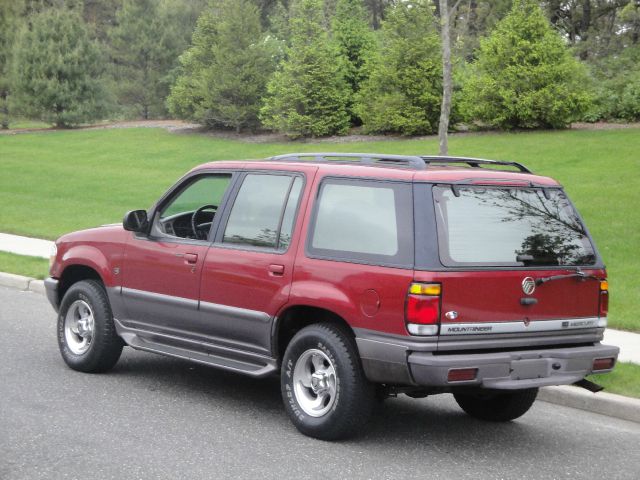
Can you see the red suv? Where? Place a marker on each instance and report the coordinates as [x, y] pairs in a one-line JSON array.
[[353, 276]]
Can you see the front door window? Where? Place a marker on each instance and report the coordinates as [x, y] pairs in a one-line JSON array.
[[190, 213]]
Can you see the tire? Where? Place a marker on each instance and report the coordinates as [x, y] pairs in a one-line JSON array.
[[337, 400], [497, 407], [86, 332]]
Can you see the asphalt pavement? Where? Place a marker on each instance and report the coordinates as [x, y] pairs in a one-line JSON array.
[[157, 417]]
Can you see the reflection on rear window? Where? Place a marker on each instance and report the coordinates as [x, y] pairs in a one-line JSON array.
[[509, 227]]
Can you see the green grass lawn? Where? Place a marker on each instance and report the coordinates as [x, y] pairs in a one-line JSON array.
[[22, 265], [21, 124], [624, 380], [56, 182]]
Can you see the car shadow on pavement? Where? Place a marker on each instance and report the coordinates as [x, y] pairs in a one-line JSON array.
[[396, 419]]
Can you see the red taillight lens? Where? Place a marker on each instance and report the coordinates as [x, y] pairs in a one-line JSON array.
[[462, 374], [603, 364], [603, 309], [424, 310]]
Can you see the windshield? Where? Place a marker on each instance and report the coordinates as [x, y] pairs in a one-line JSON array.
[[509, 227]]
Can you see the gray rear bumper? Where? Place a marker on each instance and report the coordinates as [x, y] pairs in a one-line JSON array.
[[51, 288], [511, 370], [411, 361]]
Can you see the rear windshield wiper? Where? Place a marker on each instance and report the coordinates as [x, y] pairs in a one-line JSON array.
[[578, 273]]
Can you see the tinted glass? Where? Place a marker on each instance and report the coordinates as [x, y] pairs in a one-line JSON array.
[[257, 210], [290, 214], [205, 191], [176, 219], [510, 227], [364, 221]]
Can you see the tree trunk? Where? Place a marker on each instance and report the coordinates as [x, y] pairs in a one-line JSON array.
[[4, 110], [585, 25], [447, 86]]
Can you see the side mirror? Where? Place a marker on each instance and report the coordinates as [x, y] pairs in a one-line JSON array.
[[136, 221]]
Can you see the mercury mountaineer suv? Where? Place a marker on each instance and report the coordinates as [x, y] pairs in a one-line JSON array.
[[353, 277]]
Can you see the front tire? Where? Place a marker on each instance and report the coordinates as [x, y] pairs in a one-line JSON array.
[[87, 336], [497, 407], [324, 389]]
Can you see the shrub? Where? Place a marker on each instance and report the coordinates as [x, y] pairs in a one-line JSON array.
[[525, 76], [308, 95], [404, 90]]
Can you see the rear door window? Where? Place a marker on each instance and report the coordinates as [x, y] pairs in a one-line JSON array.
[[263, 212], [509, 227], [363, 221]]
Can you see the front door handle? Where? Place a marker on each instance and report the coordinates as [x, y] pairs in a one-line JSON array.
[[191, 258], [277, 270]]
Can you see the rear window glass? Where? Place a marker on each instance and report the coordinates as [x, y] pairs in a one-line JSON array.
[[509, 227], [364, 221]]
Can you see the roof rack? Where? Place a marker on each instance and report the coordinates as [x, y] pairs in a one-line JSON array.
[[472, 162], [402, 161], [379, 159]]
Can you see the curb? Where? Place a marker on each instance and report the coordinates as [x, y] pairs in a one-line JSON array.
[[22, 283], [604, 403]]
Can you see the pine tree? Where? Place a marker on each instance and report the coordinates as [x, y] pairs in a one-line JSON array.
[[355, 42], [144, 49], [225, 71], [58, 69], [404, 90], [9, 21], [525, 75], [308, 95]]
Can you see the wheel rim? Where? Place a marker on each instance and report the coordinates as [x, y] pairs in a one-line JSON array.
[[78, 327], [314, 381]]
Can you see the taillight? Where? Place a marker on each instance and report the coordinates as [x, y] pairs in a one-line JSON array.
[[604, 299], [462, 374], [603, 364], [422, 310]]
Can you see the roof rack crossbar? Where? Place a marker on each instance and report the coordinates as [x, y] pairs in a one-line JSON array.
[[472, 162], [408, 161]]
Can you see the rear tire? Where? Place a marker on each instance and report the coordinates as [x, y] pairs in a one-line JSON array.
[[497, 407], [324, 389], [87, 335]]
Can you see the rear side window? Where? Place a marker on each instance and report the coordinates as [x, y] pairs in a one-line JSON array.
[[263, 212], [509, 227], [363, 221]]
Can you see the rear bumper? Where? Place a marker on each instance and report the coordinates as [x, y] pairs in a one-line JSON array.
[[511, 370], [51, 289], [408, 361]]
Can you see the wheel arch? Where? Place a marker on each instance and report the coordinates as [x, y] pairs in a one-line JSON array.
[[73, 274], [295, 317]]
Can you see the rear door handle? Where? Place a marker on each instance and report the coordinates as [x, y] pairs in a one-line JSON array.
[[191, 258], [277, 270]]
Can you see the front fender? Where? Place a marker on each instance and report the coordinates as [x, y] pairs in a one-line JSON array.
[[88, 256]]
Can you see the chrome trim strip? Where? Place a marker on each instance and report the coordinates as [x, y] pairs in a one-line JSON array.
[[237, 312], [480, 328]]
